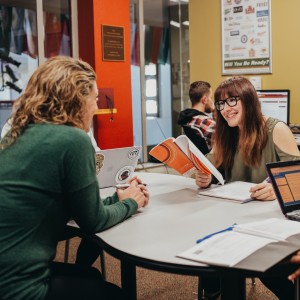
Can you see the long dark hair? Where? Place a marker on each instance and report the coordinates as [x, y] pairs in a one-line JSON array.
[[251, 138]]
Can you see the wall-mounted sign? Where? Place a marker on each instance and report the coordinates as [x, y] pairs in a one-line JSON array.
[[112, 43], [246, 37]]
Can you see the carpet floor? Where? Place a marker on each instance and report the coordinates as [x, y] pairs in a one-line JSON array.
[[153, 285]]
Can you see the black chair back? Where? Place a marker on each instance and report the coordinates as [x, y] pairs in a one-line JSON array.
[[197, 137]]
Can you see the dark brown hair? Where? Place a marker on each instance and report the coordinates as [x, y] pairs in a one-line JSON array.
[[197, 90], [251, 138]]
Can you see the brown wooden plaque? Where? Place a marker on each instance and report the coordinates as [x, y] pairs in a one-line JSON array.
[[112, 43]]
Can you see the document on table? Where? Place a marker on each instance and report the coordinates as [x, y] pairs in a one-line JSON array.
[[230, 246], [272, 228], [225, 249], [236, 190]]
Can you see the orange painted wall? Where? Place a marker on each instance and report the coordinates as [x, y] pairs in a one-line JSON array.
[[116, 75]]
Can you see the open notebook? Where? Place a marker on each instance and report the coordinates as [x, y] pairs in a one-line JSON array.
[[116, 166], [236, 191]]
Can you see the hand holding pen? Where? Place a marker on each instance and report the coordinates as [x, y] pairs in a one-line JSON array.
[[263, 191]]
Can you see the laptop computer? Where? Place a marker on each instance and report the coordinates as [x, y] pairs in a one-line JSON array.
[[285, 178], [116, 166]]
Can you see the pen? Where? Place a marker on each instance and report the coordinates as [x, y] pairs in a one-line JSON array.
[[230, 228], [126, 185], [267, 180]]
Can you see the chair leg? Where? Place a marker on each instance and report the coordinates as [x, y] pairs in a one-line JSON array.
[[102, 264], [67, 247], [297, 288], [200, 289]]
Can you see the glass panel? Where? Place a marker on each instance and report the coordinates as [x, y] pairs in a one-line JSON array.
[[172, 73], [135, 74], [150, 69], [151, 88], [18, 50], [151, 107], [157, 53], [57, 27], [179, 34]]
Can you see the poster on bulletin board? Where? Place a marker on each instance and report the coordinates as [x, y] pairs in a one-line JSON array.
[[246, 37]]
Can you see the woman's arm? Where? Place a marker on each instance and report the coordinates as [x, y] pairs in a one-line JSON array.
[[284, 139]]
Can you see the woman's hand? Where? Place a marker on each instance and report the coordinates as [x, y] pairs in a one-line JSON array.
[[263, 191], [136, 191], [295, 259], [203, 180]]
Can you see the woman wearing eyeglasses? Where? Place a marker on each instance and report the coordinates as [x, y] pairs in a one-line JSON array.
[[243, 142]]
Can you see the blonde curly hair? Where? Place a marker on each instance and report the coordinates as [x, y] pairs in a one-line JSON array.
[[56, 93]]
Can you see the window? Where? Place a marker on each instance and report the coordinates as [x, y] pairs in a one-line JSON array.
[[151, 95], [31, 31]]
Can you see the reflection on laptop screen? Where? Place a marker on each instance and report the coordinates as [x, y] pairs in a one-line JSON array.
[[287, 179]]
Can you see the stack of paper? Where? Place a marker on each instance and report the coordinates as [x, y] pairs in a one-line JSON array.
[[230, 246]]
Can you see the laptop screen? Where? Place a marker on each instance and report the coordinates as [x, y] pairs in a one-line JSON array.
[[285, 178]]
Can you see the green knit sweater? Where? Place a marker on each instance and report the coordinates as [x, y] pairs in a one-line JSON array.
[[47, 177]]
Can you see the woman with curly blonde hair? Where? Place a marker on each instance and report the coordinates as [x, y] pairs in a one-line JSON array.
[[47, 176]]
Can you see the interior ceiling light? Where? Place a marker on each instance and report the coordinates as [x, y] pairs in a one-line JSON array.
[[9, 60], [174, 23], [11, 73], [13, 86], [186, 23], [185, 1]]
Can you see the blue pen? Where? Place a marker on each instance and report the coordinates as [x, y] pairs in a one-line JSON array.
[[230, 228]]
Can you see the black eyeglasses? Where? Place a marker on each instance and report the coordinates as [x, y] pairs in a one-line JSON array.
[[231, 101]]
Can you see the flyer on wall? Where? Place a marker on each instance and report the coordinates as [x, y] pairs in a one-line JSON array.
[[246, 37]]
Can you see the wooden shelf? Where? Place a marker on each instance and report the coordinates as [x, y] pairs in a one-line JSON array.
[[106, 111]]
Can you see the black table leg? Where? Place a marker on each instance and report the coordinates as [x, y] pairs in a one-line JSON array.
[[128, 279], [297, 289], [233, 288]]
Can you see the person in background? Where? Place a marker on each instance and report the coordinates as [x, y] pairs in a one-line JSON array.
[[47, 176], [199, 116], [244, 141]]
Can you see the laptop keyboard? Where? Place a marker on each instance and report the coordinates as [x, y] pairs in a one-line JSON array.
[[295, 215]]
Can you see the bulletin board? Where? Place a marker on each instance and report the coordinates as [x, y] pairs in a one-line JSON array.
[[246, 37]]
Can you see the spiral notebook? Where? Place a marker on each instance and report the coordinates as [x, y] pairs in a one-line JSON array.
[[235, 191]]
